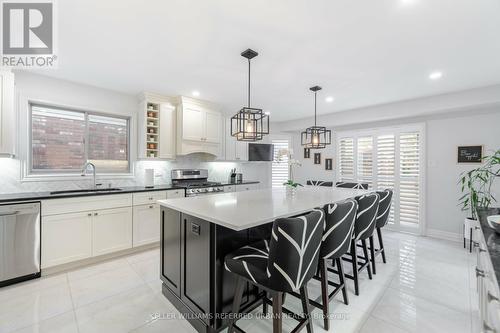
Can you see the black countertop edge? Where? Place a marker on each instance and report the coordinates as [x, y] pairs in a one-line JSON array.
[[29, 196], [492, 240]]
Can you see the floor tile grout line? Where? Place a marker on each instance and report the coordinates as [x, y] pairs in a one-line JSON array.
[[73, 304]]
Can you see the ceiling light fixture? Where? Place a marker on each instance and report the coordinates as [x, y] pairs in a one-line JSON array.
[[435, 75], [329, 99], [316, 137], [249, 124], [195, 93]]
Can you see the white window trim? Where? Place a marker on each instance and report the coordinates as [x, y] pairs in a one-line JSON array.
[[24, 144], [420, 127]]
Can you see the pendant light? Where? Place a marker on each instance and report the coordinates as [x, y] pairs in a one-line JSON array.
[[249, 124], [316, 137]]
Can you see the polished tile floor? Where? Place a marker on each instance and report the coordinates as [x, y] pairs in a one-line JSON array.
[[426, 286]]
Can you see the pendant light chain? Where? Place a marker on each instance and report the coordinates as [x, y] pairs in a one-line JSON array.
[[249, 82], [315, 94]]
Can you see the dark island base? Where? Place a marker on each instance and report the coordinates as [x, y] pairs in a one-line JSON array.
[[192, 268]]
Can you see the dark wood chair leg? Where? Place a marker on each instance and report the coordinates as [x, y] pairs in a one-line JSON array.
[[277, 312], [381, 244], [367, 258], [264, 305], [470, 246], [355, 267], [372, 254], [324, 293], [464, 237], [304, 297], [238, 295], [342, 280]]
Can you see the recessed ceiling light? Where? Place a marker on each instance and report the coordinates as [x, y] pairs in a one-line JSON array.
[[195, 93], [329, 99], [408, 2], [267, 113], [435, 75]]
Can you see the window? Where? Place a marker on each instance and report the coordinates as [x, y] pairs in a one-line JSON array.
[[280, 164], [386, 158], [63, 140]]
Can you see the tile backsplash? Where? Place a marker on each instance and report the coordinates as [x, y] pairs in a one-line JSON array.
[[218, 171]]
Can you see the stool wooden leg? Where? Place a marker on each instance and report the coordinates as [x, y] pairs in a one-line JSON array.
[[367, 258], [304, 297], [277, 312], [342, 280], [324, 292], [264, 305], [355, 267], [381, 244], [372, 254], [238, 295]]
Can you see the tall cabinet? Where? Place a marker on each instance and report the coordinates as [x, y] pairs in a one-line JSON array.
[[157, 130], [7, 114]]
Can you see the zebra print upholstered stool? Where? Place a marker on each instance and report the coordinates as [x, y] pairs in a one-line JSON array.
[[359, 186], [319, 183], [363, 228], [284, 264], [384, 209]]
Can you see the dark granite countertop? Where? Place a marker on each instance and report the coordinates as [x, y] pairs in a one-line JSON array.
[[30, 196], [492, 240]]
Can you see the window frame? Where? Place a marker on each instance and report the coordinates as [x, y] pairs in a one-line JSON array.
[[56, 173]]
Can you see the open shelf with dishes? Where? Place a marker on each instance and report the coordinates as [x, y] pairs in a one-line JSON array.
[[152, 129]]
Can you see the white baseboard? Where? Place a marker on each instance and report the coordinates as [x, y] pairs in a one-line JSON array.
[[451, 236]]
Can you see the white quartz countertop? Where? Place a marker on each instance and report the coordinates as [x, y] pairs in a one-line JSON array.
[[243, 210]]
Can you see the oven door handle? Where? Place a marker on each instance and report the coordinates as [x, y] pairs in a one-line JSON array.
[[10, 214]]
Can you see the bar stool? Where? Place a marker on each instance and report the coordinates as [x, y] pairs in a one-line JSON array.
[[363, 228], [319, 183], [359, 186], [339, 218], [288, 264], [384, 209]]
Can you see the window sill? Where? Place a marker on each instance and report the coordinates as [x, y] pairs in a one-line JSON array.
[[74, 177]]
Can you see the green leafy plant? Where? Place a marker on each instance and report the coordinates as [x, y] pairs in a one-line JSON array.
[[476, 185], [291, 183]]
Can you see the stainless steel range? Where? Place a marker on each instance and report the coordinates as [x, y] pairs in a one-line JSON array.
[[195, 181]]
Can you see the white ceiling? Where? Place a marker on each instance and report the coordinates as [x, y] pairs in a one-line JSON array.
[[362, 52]]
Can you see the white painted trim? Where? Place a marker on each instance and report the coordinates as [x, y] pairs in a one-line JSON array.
[[446, 235]]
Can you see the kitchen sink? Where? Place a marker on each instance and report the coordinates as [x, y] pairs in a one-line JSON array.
[[95, 190]]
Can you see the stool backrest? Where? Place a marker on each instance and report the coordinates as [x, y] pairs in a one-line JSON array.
[[339, 218], [294, 250], [384, 207], [366, 216], [359, 186], [319, 183]]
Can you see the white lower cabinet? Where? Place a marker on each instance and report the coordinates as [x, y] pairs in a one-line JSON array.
[[111, 230], [66, 238], [146, 224]]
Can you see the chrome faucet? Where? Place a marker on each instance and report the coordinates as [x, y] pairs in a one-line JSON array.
[[84, 172]]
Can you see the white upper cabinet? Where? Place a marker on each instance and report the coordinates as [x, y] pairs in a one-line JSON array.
[[7, 114], [235, 150], [199, 127], [156, 127]]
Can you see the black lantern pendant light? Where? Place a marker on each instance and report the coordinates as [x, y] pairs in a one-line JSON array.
[[249, 124], [316, 137]]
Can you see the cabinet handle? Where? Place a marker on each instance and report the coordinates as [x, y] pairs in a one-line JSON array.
[[151, 207], [475, 244], [481, 250], [150, 198], [480, 272], [95, 214], [477, 228], [89, 214]]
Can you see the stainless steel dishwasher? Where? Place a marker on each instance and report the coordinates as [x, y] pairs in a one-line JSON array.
[[19, 242]]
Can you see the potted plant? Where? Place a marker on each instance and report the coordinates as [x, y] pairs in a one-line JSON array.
[[476, 187], [287, 155]]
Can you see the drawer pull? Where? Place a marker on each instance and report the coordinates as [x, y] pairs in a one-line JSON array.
[[151, 207], [480, 272], [492, 297], [89, 214], [482, 250], [475, 244], [95, 214]]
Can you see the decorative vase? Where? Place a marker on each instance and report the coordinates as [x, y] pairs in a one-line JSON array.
[[291, 191]]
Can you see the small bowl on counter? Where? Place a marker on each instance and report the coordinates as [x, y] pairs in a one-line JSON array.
[[494, 222]]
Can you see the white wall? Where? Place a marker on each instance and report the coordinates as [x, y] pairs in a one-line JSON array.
[[443, 171], [32, 87]]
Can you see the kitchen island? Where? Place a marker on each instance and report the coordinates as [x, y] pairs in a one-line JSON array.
[[198, 232]]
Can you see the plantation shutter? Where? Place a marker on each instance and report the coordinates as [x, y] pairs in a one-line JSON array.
[[346, 159], [365, 160], [409, 177], [280, 170], [386, 166]]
